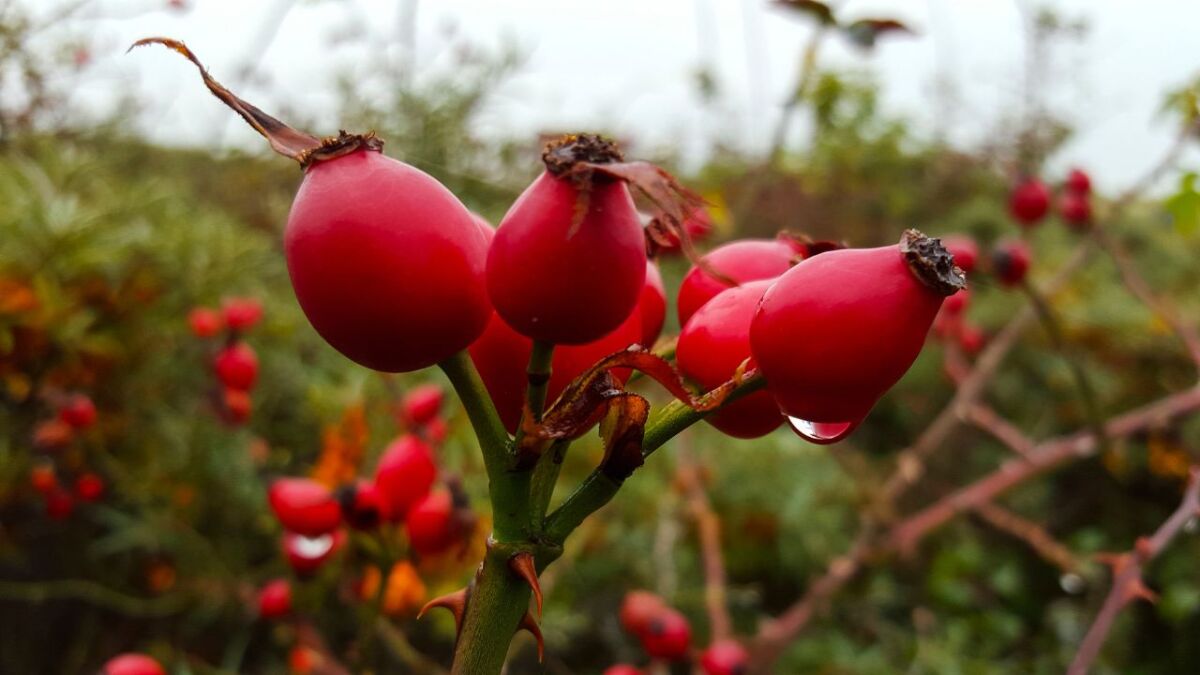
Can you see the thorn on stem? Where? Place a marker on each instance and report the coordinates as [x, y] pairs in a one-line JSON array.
[[456, 602], [523, 565], [530, 624]]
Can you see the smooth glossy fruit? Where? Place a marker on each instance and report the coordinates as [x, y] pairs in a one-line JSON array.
[[78, 411], [363, 507], [1076, 210], [405, 474], [1010, 261], [964, 249], [307, 554], [430, 524], [835, 332], [652, 305], [304, 506], [715, 341], [205, 322], [501, 354], [132, 664], [237, 366], [275, 599], [89, 487], [421, 404], [569, 259], [241, 314], [740, 261], [725, 657], [238, 405], [638, 609], [1078, 182], [667, 637], [1029, 202], [386, 263]]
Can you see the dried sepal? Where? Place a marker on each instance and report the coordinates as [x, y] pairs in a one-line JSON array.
[[522, 564], [530, 624], [292, 143], [817, 10], [623, 429]]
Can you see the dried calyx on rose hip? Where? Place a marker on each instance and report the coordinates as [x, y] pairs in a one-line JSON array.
[[386, 263], [835, 332], [1010, 261], [569, 259]]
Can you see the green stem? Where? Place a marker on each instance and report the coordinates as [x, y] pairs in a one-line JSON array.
[[1084, 385], [538, 372], [545, 477], [498, 600]]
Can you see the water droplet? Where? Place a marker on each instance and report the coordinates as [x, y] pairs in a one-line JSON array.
[[1072, 583], [312, 547], [821, 433]]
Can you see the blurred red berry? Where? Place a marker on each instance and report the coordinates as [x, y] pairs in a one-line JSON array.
[[304, 506], [437, 430], [59, 504], [622, 669], [237, 366], [132, 664], [275, 599], [362, 505], [205, 322], [1076, 210], [430, 524], [668, 636], [78, 411], [405, 474], [52, 434], [957, 303], [1030, 201], [1010, 261], [238, 405], [964, 249], [652, 305], [421, 404], [724, 657], [1078, 182], [241, 314], [89, 487], [638, 609], [971, 338], [43, 478]]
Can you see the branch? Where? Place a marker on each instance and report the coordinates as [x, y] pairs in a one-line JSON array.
[[1033, 534], [708, 530], [1127, 570], [1001, 429], [92, 593]]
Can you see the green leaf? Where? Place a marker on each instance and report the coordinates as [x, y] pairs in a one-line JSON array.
[[1184, 206]]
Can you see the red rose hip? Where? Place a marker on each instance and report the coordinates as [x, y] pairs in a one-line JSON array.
[[1076, 210], [668, 636], [739, 261], [964, 249], [430, 524], [78, 411], [652, 305], [715, 341], [1010, 261], [724, 657], [304, 506], [421, 404], [132, 664], [1029, 202], [405, 474], [275, 599], [205, 322], [241, 314], [569, 259], [638, 609], [835, 332], [237, 366], [1078, 182]]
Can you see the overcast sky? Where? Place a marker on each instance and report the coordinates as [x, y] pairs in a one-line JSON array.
[[628, 65]]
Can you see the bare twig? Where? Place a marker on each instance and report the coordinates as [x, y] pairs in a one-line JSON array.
[[708, 529], [1001, 429], [1033, 534], [1127, 575]]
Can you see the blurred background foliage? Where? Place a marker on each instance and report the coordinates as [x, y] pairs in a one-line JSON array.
[[106, 243]]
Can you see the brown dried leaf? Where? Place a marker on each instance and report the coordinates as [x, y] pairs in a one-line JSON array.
[[817, 10]]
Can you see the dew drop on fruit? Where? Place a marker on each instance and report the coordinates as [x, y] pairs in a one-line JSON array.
[[821, 433], [1072, 583], [312, 547]]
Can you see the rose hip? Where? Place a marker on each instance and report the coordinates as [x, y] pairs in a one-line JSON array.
[[738, 261]]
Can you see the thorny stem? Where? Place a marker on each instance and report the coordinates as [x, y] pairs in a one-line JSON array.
[[1083, 384], [1127, 575]]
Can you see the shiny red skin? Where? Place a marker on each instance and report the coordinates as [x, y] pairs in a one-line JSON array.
[[964, 249], [667, 637], [1078, 182], [238, 405], [205, 322], [638, 609], [303, 561], [421, 404], [237, 366], [1010, 261], [1076, 210], [652, 304], [501, 354], [741, 261], [89, 487], [835, 332], [715, 341], [78, 411], [386, 263], [275, 599], [622, 669], [59, 504], [430, 524], [405, 474], [304, 506], [241, 313], [363, 506], [557, 278], [1029, 202], [957, 303], [724, 657], [132, 664]]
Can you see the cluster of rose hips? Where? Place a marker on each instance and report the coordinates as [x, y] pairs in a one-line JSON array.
[[75, 413], [235, 363], [1030, 201], [666, 636]]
